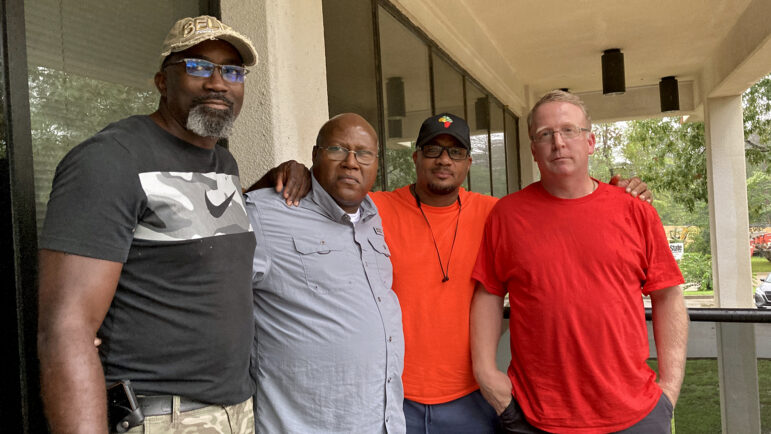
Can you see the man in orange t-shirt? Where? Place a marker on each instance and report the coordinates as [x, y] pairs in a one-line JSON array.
[[433, 229]]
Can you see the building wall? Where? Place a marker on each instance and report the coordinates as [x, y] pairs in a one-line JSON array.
[[286, 98]]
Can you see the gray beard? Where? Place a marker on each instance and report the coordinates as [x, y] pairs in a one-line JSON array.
[[209, 122]]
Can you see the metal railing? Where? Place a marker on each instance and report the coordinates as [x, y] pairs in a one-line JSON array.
[[710, 314]]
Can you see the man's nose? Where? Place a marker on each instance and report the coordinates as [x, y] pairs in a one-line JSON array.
[[216, 81], [558, 140], [444, 156], [350, 160]]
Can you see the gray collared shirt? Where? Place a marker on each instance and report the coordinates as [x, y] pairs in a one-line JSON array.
[[329, 348]]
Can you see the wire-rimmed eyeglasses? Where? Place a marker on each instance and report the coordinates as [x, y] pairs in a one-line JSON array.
[[339, 153], [567, 132]]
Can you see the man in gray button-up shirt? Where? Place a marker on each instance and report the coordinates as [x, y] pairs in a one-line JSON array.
[[329, 349]]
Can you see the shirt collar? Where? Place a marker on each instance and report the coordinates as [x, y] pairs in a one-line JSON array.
[[331, 209]]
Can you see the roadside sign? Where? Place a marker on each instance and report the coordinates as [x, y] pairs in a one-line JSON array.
[[677, 250]]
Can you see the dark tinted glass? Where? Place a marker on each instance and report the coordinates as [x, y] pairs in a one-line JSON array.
[[478, 119], [498, 150]]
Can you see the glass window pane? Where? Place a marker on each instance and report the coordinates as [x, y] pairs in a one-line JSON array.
[[498, 150], [349, 46], [478, 119], [512, 151], [406, 96], [448, 87], [91, 62]]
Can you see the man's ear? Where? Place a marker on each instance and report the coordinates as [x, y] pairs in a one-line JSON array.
[[160, 83], [592, 140], [415, 157], [314, 153]]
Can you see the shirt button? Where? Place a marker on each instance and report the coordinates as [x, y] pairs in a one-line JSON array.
[[386, 420], [389, 380], [378, 299], [390, 339]]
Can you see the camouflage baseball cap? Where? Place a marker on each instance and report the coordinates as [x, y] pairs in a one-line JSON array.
[[188, 32]]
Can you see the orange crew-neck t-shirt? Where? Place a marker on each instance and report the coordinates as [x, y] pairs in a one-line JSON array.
[[435, 314]]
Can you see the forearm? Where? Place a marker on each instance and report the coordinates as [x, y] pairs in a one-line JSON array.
[[486, 316], [72, 380], [670, 330], [268, 180]]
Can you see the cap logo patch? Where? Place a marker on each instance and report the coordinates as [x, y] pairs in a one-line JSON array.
[[202, 25], [446, 120]]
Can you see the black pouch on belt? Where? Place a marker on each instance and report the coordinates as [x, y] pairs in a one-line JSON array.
[[123, 412]]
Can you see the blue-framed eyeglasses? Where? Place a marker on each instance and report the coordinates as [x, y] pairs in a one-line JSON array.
[[204, 68]]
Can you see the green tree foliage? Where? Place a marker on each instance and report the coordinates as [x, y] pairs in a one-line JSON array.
[[756, 103], [401, 168], [670, 156], [607, 160], [697, 268], [759, 198]]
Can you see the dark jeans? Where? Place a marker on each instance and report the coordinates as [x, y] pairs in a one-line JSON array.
[[658, 421], [467, 414]]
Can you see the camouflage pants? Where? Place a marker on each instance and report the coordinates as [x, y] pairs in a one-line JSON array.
[[214, 419]]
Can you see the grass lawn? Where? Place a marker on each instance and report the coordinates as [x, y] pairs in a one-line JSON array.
[[699, 293], [760, 265], [698, 408]]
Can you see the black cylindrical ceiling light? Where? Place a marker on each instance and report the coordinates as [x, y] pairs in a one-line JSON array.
[[669, 94], [613, 81], [395, 97]]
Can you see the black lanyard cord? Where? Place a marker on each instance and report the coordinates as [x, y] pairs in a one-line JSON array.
[[445, 274]]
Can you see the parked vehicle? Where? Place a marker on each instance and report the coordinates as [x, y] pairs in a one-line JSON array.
[[763, 294]]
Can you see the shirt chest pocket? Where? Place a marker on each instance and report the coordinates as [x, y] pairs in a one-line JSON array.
[[328, 267], [383, 258]]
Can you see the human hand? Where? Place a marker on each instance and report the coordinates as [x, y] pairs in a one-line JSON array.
[[634, 186], [496, 389], [672, 393], [292, 179]]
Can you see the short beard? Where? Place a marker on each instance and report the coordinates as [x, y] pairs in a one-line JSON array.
[[208, 122], [441, 190]]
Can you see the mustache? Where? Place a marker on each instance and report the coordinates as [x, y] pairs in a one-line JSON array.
[[209, 97]]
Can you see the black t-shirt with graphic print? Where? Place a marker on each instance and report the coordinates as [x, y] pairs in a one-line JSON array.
[[173, 214]]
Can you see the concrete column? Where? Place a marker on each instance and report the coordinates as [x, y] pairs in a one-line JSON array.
[[286, 93], [729, 222], [729, 232]]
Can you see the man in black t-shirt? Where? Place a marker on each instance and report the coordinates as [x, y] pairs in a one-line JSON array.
[[147, 245]]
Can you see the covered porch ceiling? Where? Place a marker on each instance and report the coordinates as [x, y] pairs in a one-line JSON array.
[[520, 49]]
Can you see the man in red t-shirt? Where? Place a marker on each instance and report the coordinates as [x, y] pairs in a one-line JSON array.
[[575, 257]]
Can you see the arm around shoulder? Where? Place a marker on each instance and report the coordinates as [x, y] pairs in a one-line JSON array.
[[75, 293], [290, 178], [670, 330]]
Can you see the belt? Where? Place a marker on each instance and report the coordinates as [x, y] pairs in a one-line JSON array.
[[157, 405]]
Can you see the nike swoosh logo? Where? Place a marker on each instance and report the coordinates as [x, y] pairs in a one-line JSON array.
[[217, 210]]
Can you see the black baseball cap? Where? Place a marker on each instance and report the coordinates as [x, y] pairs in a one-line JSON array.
[[444, 123]]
